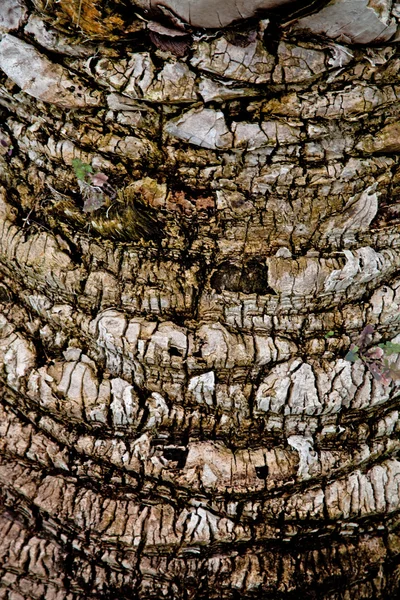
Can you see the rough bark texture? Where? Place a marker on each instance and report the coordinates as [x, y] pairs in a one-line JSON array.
[[175, 422]]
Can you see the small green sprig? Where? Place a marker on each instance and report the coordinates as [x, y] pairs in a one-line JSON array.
[[94, 187], [82, 170], [375, 357]]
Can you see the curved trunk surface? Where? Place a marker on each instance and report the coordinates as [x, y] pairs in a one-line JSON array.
[[198, 217]]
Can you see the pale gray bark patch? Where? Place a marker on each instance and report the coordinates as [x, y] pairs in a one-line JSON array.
[[203, 127], [363, 265], [351, 22], [384, 140], [12, 15], [251, 64], [357, 215], [54, 40], [213, 91], [42, 79], [349, 104], [17, 354], [202, 387], [270, 133], [307, 456], [133, 74], [299, 63], [209, 13], [125, 403], [175, 83], [137, 78]]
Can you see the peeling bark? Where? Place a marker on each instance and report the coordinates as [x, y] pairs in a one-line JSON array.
[[177, 418]]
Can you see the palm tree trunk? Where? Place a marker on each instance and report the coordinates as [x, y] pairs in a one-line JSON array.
[[198, 217]]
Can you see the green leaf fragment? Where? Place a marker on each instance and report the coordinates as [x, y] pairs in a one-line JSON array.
[[81, 169], [390, 348], [352, 355]]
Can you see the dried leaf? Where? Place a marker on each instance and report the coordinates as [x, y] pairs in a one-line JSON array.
[[376, 371], [386, 379], [365, 335], [93, 202], [93, 197], [176, 45], [162, 30], [172, 17], [375, 353], [98, 179], [241, 38]]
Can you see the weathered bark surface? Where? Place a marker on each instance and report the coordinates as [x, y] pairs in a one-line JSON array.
[[174, 421]]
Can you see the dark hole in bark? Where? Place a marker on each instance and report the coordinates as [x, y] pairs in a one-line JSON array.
[[175, 454], [5, 294], [226, 277], [262, 472], [254, 278], [175, 351], [242, 37], [251, 278]]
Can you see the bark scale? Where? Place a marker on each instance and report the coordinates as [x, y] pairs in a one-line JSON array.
[[175, 420]]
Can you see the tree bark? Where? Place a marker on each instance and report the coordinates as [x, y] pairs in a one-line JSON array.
[[198, 216]]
